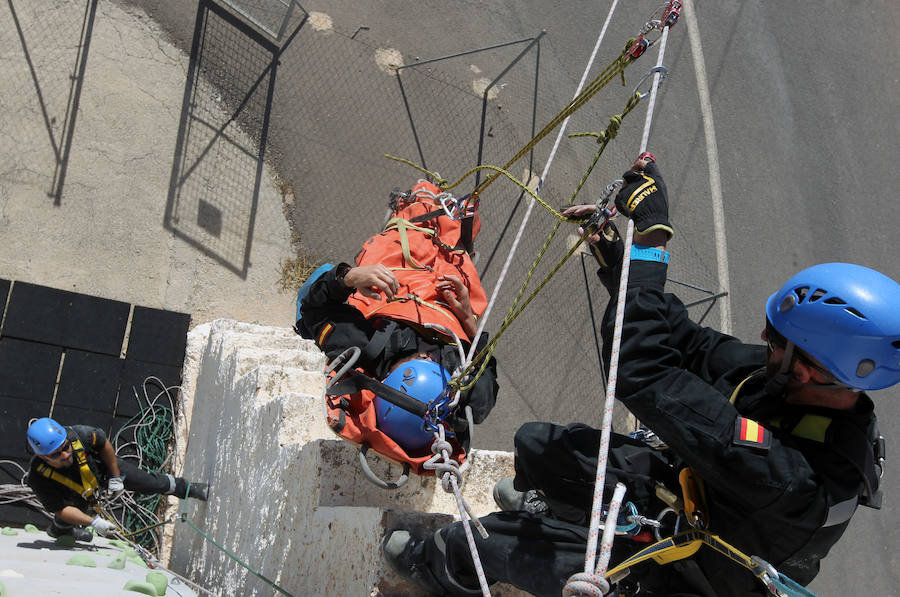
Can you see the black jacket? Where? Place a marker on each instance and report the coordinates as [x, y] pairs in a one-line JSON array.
[[53, 495], [335, 325], [769, 500]]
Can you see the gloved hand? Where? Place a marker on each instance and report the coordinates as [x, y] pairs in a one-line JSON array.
[[102, 527], [116, 486], [607, 248], [643, 199]]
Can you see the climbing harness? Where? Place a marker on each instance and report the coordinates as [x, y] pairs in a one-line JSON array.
[[88, 486]]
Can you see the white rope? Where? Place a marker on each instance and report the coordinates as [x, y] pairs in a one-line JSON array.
[[450, 480], [21, 493], [531, 202], [596, 508]]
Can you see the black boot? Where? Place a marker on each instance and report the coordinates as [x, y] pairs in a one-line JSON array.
[[198, 491], [58, 528], [404, 553]]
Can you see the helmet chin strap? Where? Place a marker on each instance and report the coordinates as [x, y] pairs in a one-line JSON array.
[[779, 381], [776, 385]]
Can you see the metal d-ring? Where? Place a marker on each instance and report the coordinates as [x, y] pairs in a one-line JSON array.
[[375, 479], [664, 72]]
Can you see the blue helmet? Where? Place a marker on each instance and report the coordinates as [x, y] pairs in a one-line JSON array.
[[46, 435], [422, 379], [845, 316]]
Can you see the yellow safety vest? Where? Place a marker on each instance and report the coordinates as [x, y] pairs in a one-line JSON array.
[[89, 484]]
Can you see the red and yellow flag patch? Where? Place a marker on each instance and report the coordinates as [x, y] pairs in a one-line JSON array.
[[326, 329], [748, 432]]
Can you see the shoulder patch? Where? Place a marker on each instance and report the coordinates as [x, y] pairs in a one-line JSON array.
[[326, 329], [748, 432]]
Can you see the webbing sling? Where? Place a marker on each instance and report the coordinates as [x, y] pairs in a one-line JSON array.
[[89, 482]]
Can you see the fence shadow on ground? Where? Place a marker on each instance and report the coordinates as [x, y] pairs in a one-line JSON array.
[[47, 49], [217, 169]]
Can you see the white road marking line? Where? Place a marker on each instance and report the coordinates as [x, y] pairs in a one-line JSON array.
[[712, 157]]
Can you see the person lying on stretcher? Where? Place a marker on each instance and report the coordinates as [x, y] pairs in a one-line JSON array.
[[408, 300]]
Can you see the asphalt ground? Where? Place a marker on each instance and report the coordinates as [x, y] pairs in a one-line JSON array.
[[778, 124]]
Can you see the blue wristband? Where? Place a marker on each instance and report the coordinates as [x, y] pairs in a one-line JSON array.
[[641, 253]]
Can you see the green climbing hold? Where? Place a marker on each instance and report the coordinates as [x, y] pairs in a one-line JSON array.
[[9, 531], [30, 528], [81, 560], [138, 561], [118, 562], [119, 543], [65, 541], [129, 552], [139, 586], [158, 580], [2, 589]]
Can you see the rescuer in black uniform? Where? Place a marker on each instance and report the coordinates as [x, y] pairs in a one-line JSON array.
[[782, 437], [72, 465]]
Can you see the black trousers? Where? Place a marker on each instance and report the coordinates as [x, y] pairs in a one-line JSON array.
[[537, 553], [137, 480], [148, 482]]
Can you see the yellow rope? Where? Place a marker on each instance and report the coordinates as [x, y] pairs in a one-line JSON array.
[[615, 68], [603, 139]]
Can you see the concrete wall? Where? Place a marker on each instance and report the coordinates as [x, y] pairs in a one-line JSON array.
[[288, 497]]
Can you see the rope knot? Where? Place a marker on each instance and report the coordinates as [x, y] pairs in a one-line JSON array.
[[584, 584], [612, 130]]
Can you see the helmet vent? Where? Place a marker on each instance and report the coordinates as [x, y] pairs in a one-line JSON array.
[[835, 301], [853, 311], [817, 294], [896, 344], [801, 293], [865, 367]]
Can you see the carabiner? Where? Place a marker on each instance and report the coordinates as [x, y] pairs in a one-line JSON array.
[[663, 73]]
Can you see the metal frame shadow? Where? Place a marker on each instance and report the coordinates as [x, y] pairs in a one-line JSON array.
[[181, 170], [62, 149], [533, 43]]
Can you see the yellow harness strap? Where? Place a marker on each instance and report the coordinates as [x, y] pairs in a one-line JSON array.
[[89, 482], [401, 226], [415, 299], [684, 545], [737, 389]]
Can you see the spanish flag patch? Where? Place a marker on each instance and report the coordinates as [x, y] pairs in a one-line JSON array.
[[326, 329], [750, 433]]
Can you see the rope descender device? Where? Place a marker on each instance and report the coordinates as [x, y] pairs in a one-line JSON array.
[[669, 15], [604, 213]]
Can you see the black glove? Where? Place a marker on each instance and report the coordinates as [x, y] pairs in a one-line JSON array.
[[643, 199], [608, 252]]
